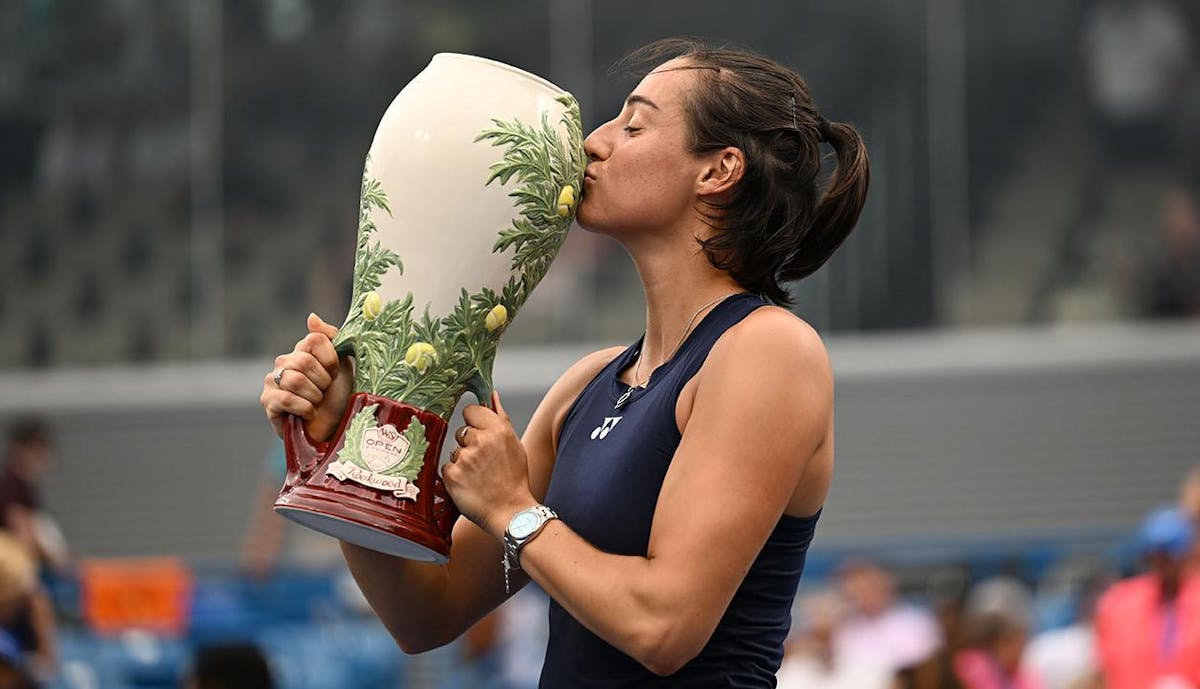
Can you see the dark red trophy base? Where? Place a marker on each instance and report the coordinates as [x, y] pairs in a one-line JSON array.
[[369, 517]]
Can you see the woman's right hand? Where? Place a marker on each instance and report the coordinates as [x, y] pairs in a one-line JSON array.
[[316, 384]]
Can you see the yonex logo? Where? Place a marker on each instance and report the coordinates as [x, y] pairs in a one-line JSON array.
[[610, 422]]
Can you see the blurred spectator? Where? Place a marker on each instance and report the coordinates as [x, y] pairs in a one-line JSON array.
[[26, 462], [482, 652], [12, 676], [947, 590], [268, 540], [234, 666], [1065, 658], [1148, 627], [12, 671], [813, 662], [263, 544], [1173, 278], [28, 636], [996, 624], [524, 629], [1189, 503], [879, 628], [1136, 54]]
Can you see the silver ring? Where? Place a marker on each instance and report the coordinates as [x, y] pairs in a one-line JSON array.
[[279, 376], [461, 435]]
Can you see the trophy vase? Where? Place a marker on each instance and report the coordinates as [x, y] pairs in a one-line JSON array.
[[469, 188]]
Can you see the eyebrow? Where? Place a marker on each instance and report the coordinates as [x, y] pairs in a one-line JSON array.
[[635, 99]]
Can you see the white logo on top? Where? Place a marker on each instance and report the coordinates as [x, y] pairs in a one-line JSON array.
[[610, 422]]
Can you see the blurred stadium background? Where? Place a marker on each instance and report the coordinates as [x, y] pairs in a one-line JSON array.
[[1012, 326]]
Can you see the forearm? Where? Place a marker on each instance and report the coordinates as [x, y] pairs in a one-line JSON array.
[[425, 605], [408, 596], [629, 601]]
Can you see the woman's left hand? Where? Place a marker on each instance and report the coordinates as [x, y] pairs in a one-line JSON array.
[[487, 475]]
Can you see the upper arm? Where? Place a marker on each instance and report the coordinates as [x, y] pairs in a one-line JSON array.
[[763, 406]]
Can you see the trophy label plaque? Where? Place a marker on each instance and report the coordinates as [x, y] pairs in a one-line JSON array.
[[381, 457]]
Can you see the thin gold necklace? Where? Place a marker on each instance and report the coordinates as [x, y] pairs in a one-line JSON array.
[[637, 371]]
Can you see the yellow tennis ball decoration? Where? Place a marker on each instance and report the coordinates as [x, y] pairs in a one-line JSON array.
[[566, 201], [420, 355], [496, 318], [372, 305]]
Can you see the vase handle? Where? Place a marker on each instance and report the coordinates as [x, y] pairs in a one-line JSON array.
[[480, 385], [303, 453]]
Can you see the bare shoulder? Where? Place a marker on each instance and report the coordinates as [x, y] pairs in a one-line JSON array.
[[770, 371], [773, 338]]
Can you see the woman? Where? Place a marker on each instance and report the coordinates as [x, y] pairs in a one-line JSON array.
[[688, 470]]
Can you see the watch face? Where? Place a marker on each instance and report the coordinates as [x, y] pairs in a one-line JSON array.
[[523, 524]]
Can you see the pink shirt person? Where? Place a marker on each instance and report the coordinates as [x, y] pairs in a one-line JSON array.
[[1148, 627], [1142, 641]]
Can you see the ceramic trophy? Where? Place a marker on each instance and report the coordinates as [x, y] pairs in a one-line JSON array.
[[468, 191]]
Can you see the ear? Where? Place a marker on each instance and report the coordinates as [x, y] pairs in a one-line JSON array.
[[723, 169]]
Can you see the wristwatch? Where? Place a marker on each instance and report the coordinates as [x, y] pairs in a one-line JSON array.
[[522, 528]]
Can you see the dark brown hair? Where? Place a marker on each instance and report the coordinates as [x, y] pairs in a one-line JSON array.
[[773, 226]]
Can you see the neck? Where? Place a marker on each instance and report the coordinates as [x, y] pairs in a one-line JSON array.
[[677, 279]]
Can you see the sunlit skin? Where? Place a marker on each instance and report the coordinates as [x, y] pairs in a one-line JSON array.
[[645, 189], [640, 184], [769, 372]]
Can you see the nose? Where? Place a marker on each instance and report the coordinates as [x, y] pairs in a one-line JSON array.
[[596, 144]]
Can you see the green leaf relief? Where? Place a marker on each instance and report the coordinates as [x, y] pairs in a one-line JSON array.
[[382, 334], [352, 444], [410, 467]]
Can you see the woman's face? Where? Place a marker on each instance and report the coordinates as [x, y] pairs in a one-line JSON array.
[[641, 174]]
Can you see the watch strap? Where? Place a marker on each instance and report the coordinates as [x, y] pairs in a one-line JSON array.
[[514, 545]]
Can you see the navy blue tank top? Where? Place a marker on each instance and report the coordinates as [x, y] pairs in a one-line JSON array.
[[607, 476]]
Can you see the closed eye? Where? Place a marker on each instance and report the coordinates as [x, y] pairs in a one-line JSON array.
[[631, 130]]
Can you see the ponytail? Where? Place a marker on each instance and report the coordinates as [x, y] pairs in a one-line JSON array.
[[838, 210]]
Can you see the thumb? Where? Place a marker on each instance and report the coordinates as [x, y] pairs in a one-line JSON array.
[[316, 325], [499, 407]]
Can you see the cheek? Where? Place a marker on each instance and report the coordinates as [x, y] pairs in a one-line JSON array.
[[644, 191]]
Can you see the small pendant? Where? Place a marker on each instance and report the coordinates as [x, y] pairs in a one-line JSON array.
[[623, 398]]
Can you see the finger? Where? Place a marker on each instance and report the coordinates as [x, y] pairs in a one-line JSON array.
[[297, 383], [499, 407], [277, 419], [460, 436], [284, 402], [317, 325], [320, 347], [306, 365], [479, 416]]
